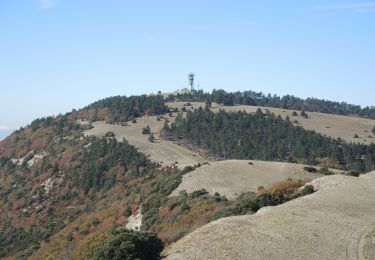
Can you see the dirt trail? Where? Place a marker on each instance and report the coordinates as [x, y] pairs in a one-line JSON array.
[[336, 222], [160, 151], [233, 177], [331, 125]]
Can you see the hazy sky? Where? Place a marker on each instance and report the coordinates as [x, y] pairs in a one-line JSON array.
[[56, 55]]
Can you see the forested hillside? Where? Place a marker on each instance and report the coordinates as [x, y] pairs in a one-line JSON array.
[[267, 137], [286, 102], [122, 108], [52, 175], [67, 195]]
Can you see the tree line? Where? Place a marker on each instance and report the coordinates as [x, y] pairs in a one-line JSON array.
[[123, 108], [253, 98], [240, 135], [99, 162]]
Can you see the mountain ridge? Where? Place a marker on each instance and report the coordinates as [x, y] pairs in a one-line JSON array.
[[70, 183]]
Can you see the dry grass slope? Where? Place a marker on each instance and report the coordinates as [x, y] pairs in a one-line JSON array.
[[160, 151], [336, 222], [233, 177]]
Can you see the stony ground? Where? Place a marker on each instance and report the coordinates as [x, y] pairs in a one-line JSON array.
[[327, 124], [336, 222]]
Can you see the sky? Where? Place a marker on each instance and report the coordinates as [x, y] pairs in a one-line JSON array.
[[56, 55]]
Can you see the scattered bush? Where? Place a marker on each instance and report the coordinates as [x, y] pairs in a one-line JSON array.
[[95, 222], [304, 114], [197, 193], [151, 138], [279, 193], [325, 171], [352, 173], [110, 135], [356, 136], [146, 130], [161, 188], [128, 212], [184, 206], [310, 169], [307, 189], [294, 113], [69, 237], [187, 169], [373, 130]]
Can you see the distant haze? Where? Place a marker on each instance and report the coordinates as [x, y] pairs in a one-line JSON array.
[[4, 133]]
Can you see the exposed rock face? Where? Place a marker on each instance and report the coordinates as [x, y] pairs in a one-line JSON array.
[[336, 222]]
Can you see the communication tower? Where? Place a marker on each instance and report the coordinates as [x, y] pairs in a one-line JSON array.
[[191, 82]]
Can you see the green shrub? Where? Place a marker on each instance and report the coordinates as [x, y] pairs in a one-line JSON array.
[[352, 173], [266, 199], [146, 130], [95, 222], [151, 138], [187, 169], [244, 206], [184, 206], [307, 189], [129, 245], [310, 169], [69, 237], [85, 231], [161, 188], [304, 114], [325, 171], [197, 193], [128, 212]]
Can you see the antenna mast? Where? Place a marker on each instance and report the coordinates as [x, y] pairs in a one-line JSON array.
[[191, 82]]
